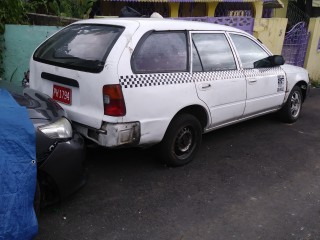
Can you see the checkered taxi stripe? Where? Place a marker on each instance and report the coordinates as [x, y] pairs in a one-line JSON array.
[[263, 72], [148, 80], [217, 75], [160, 79]]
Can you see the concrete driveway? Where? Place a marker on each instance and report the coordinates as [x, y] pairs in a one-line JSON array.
[[255, 180]]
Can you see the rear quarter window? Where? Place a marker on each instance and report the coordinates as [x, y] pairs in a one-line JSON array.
[[80, 47], [161, 52]]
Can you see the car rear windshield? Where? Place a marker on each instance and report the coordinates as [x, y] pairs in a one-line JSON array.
[[80, 47]]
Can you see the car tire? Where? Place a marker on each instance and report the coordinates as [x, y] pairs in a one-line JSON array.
[[181, 141], [291, 111]]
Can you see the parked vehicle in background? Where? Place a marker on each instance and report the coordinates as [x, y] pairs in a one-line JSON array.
[[140, 82], [60, 151]]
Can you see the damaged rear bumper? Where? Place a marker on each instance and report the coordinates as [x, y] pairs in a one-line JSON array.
[[112, 134]]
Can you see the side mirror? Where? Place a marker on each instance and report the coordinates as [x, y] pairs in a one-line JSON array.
[[271, 61], [278, 60]]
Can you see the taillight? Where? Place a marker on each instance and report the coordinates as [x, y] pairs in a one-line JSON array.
[[113, 100]]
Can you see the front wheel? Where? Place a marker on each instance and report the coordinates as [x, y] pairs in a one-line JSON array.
[[291, 111], [181, 141]]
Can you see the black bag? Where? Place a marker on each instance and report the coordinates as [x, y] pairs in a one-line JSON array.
[[129, 12]]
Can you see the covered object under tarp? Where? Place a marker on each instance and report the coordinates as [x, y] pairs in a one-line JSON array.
[[17, 171]]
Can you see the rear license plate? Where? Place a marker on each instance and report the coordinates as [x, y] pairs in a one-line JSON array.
[[62, 94]]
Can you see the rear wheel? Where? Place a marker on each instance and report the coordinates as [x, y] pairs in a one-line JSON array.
[[181, 141], [291, 111]]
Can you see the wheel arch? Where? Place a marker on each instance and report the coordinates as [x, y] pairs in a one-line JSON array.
[[197, 111], [304, 87], [183, 136]]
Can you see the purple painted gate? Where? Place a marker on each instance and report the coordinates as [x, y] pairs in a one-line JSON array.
[[240, 22], [295, 44]]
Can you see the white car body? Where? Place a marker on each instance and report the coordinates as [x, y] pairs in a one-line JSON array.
[[152, 100]]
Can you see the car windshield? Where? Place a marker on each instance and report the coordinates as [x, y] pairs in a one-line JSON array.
[[80, 47]]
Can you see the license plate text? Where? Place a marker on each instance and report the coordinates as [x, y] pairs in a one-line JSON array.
[[61, 94]]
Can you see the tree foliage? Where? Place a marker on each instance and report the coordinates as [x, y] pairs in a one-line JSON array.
[[71, 8], [15, 11], [12, 12]]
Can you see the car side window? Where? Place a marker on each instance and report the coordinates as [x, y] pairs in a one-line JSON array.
[[161, 52], [214, 52], [248, 50]]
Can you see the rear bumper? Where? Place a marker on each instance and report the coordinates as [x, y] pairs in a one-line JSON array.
[[112, 134]]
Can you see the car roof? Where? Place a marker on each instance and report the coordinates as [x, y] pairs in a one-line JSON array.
[[161, 24]]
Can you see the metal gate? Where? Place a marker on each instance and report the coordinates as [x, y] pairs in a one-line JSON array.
[[295, 44]]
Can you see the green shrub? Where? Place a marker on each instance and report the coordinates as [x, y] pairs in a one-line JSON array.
[[72, 8]]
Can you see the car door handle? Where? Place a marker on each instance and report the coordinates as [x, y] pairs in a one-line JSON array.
[[253, 80], [205, 86]]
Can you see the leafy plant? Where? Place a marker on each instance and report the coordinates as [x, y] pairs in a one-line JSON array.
[[72, 8], [12, 12], [37, 6]]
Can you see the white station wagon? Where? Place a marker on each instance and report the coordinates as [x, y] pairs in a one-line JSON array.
[[141, 82]]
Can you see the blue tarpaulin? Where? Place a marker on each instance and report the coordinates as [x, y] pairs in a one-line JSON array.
[[18, 171]]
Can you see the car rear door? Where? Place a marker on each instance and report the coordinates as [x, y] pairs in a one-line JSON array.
[[265, 86], [219, 82]]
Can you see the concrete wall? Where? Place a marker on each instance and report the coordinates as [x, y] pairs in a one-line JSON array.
[[49, 20], [20, 42], [312, 61], [271, 32]]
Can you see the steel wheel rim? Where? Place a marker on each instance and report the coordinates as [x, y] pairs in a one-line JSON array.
[[184, 142], [295, 104]]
